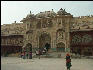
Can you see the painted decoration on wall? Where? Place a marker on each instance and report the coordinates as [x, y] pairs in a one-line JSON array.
[[81, 39], [86, 38], [76, 39]]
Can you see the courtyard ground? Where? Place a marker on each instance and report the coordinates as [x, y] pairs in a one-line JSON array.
[[15, 63]]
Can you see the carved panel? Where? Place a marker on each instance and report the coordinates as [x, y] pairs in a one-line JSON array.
[[60, 34]]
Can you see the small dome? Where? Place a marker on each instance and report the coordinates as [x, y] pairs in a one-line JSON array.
[[62, 12]]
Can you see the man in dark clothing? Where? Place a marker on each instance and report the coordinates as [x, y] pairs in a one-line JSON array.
[[39, 53], [30, 55], [30, 52]]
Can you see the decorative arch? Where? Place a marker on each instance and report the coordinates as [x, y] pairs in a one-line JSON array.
[[44, 38], [60, 47]]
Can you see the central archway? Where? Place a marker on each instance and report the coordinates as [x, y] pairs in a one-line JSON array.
[[44, 39]]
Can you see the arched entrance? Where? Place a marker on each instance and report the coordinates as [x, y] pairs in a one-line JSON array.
[[43, 40], [60, 47]]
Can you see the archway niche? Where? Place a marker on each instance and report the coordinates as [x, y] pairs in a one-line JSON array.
[[60, 47], [44, 40]]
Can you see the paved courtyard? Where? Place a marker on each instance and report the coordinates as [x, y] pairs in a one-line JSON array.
[[14, 63]]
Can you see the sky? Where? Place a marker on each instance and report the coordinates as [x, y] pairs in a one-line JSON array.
[[17, 10]]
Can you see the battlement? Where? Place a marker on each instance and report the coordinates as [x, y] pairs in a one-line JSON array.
[[90, 16]]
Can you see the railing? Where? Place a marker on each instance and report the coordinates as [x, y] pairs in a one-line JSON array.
[[12, 44]]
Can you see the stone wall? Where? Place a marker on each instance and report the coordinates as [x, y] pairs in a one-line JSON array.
[[54, 25], [14, 28]]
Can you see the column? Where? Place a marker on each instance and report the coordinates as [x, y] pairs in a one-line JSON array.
[[53, 41]]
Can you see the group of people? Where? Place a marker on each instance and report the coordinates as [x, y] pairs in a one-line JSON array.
[[25, 55], [41, 52]]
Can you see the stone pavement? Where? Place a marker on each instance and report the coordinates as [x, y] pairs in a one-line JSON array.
[[15, 63]]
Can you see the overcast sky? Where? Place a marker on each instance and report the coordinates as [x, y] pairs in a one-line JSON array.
[[17, 10]]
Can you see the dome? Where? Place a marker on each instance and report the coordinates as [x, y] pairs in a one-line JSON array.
[[62, 12], [40, 15], [46, 14]]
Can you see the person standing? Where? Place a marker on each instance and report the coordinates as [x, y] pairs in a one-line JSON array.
[[47, 46], [39, 53], [24, 54], [30, 52], [68, 61], [30, 55]]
